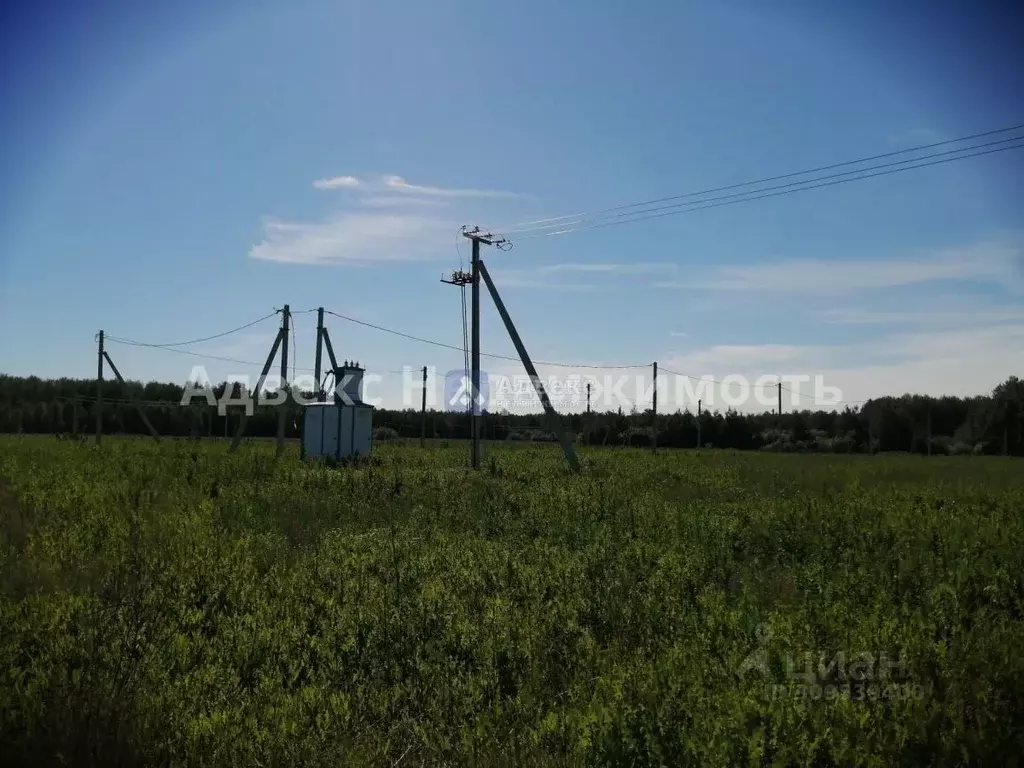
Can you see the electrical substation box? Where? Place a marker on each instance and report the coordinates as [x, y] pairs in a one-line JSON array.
[[343, 428]]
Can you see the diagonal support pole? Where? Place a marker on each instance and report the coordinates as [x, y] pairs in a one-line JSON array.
[[556, 423], [334, 361], [244, 421], [135, 402]]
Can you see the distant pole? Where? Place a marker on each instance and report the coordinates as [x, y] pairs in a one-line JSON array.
[[99, 390], [699, 414], [590, 423], [74, 416], [423, 411], [654, 411], [780, 403], [319, 354], [1005, 437], [282, 414]]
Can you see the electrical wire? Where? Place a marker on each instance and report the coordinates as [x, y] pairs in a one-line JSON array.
[[482, 354], [511, 228], [706, 204], [771, 195], [251, 363], [800, 183], [205, 338]]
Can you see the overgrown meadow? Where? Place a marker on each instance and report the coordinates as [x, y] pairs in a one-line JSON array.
[[173, 604]]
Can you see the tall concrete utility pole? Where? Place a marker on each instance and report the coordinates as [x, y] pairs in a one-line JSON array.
[[475, 363], [654, 411], [423, 411], [99, 390], [282, 414], [319, 354]]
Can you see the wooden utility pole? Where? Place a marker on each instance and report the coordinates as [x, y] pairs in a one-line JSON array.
[[74, 416], [319, 354], [423, 411], [780, 404], [282, 413], [654, 411], [99, 390]]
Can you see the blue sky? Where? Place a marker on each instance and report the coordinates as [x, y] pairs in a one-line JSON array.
[[170, 173]]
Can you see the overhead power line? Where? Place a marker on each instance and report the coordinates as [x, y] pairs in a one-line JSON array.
[[824, 181], [205, 338], [565, 220], [455, 348], [583, 220]]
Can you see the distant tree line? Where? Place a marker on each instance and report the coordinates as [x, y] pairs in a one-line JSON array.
[[985, 424]]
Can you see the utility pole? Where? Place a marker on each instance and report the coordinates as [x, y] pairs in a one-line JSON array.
[[590, 421], [74, 416], [319, 354], [779, 385], [99, 390], [654, 411], [475, 365], [423, 411], [282, 414], [699, 414]]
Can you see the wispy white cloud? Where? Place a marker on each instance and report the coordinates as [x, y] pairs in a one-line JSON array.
[[337, 182], [355, 237], [391, 183], [966, 362], [399, 184], [679, 334], [397, 201], [380, 219], [521, 278], [639, 268], [939, 315], [986, 262]]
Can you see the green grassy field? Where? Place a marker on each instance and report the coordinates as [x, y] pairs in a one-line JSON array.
[[172, 603]]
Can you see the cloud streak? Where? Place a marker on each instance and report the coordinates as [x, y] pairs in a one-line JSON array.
[[354, 238], [391, 183], [986, 262], [337, 182], [380, 219], [639, 268]]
